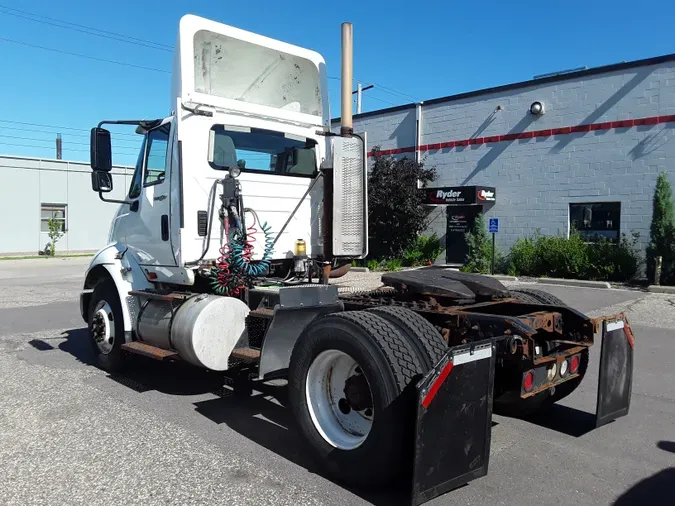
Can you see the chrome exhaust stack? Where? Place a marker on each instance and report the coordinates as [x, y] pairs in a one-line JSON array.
[[347, 80]]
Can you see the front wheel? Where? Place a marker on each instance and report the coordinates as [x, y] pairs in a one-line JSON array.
[[106, 326], [351, 380]]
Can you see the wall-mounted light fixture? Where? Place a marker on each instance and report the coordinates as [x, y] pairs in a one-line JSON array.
[[537, 108]]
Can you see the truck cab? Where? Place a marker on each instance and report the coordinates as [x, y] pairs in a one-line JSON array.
[[240, 103], [247, 145]]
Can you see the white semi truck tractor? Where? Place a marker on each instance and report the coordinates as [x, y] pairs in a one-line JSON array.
[[242, 205]]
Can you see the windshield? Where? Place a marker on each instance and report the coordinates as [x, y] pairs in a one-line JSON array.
[[258, 150]]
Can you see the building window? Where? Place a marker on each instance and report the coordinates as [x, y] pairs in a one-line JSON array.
[[596, 220], [49, 211]]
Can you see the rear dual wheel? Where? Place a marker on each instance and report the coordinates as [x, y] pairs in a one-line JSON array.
[[352, 391]]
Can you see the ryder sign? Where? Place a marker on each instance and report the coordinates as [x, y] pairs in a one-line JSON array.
[[464, 195]]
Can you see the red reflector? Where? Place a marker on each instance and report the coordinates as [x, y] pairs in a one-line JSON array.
[[574, 364], [152, 275], [528, 381], [629, 336], [436, 385]]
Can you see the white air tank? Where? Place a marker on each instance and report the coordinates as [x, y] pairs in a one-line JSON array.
[[204, 329]]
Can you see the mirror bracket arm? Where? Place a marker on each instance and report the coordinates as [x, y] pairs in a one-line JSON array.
[[113, 201]]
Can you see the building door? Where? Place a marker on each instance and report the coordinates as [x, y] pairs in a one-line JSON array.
[[460, 221]]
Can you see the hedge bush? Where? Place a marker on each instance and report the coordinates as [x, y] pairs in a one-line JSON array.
[[571, 257], [562, 257], [615, 262], [423, 251]]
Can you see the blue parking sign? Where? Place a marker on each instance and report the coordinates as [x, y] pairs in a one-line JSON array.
[[493, 225]]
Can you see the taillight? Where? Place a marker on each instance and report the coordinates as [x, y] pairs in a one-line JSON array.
[[564, 368], [574, 364], [528, 381], [550, 373]]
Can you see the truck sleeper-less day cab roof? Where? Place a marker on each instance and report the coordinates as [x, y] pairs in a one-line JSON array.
[[235, 70]]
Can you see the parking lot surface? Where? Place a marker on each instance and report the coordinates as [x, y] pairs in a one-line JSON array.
[[167, 434]]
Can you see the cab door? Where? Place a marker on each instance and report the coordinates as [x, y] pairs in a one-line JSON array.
[[150, 236]]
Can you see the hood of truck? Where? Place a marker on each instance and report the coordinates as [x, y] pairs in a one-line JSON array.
[[226, 68]]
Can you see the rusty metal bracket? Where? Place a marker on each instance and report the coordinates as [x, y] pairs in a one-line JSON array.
[[542, 320]]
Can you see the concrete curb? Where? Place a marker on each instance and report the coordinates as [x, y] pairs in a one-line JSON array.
[[574, 282], [661, 289], [502, 277], [359, 269]]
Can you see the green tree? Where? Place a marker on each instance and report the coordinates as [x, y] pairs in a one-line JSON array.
[[479, 256], [396, 214], [662, 231], [56, 232]]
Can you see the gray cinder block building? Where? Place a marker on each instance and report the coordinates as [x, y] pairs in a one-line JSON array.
[[581, 149], [32, 190]]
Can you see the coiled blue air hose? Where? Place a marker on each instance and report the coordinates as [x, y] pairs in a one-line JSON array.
[[236, 268], [239, 248]]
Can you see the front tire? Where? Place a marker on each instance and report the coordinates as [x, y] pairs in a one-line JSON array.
[[106, 326], [351, 388]]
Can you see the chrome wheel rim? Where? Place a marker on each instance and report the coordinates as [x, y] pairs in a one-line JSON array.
[[103, 327]]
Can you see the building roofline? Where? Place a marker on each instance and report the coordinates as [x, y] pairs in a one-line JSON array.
[[524, 84], [56, 160]]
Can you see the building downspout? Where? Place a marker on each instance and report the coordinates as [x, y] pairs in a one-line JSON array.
[[418, 130], [418, 135]]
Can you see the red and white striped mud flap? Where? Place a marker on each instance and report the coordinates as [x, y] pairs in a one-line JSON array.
[[615, 380], [454, 420]]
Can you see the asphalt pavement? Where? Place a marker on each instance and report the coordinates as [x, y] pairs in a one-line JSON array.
[[171, 435]]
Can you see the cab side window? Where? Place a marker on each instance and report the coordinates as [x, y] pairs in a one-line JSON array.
[[137, 178], [155, 167]]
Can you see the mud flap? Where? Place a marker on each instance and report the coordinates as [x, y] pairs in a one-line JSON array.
[[454, 421], [616, 371]]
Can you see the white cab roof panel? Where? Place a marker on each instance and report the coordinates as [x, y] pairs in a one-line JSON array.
[[232, 69]]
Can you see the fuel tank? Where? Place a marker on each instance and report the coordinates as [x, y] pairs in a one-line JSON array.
[[203, 330]]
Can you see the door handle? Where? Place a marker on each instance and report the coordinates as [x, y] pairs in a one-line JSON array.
[[134, 206], [165, 227]]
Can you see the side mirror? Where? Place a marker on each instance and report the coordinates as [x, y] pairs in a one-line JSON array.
[[101, 151], [101, 181]]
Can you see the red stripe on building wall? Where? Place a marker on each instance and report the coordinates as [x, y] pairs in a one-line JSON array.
[[607, 125]]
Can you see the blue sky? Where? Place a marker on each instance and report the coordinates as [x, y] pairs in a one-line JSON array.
[[422, 49]]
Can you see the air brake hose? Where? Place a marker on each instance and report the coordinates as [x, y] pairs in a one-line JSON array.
[[235, 267], [241, 248]]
